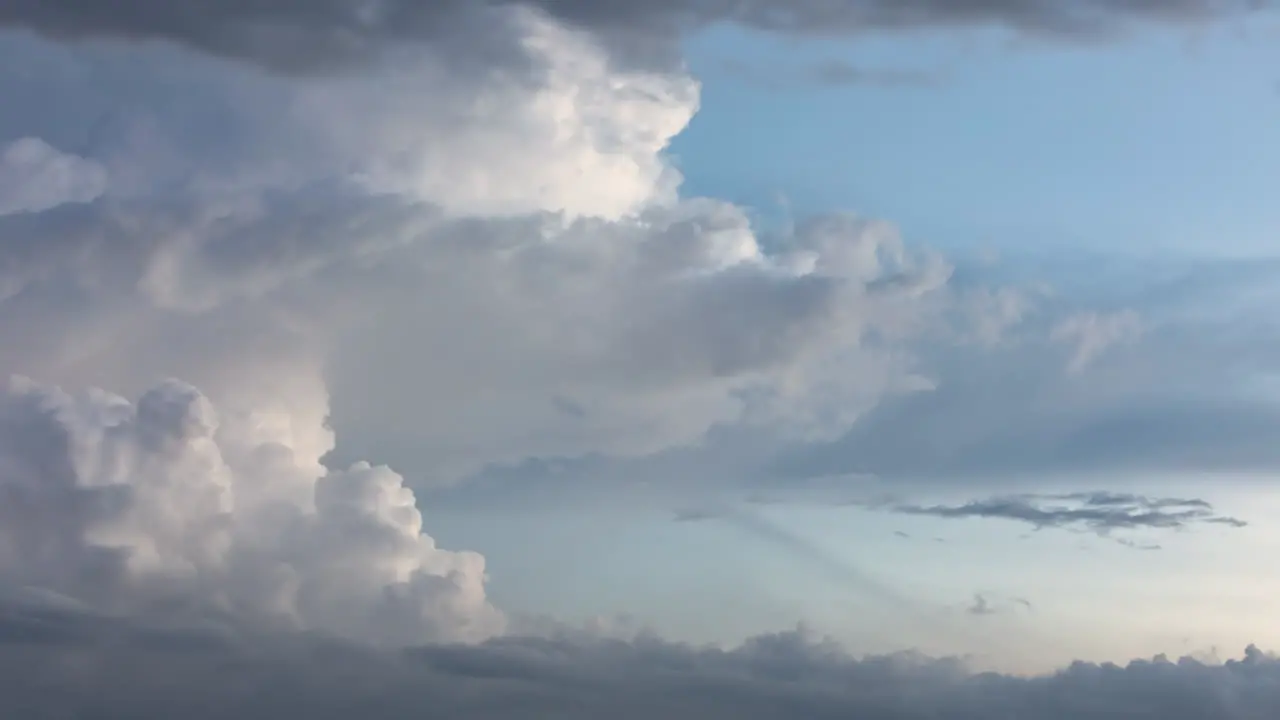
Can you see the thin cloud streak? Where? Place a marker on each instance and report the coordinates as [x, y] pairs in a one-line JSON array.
[[1100, 513]]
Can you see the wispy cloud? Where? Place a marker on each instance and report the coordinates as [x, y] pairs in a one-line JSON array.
[[983, 605], [690, 515], [1099, 512], [840, 72], [980, 606], [831, 72]]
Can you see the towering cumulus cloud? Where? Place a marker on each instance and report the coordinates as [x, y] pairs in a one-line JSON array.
[[471, 251], [164, 506]]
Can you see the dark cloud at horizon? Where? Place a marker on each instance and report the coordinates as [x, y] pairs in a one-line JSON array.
[[309, 35], [58, 663]]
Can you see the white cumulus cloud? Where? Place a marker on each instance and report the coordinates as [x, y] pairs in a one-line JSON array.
[[165, 506]]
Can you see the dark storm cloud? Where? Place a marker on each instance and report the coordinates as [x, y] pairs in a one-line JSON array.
[[1099, 512], [56, 664], [310, 34]]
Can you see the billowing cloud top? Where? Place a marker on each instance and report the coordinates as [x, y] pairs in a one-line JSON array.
[[163, 505]]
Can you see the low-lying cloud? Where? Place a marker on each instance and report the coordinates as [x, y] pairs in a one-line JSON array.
[[57, 662]]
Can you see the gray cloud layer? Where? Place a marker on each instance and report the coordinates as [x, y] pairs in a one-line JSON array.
[[57, 662], [318, 34]]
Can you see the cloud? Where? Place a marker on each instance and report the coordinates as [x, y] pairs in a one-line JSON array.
[[167, 507], [984, 605], [834, 566], [1101, 513], [697, 515], [467, 248], [60, 663], [1092, 334], [1058, 385], [439, 267], [302, 36], [454, 278], [829, 73], [580, 136], [981, 606], [680, 322], [36, 177], [838, 72]]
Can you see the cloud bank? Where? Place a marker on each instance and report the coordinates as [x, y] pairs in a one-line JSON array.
[[165, 507], [297, 35], [62, 663]]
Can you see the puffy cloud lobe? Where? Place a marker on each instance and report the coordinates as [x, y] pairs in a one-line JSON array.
[[1184, 389], [464, 342], [165, 507], [36, 177], [57, 661], [572, 133], [649, 332], [297, 35], [466, 286]]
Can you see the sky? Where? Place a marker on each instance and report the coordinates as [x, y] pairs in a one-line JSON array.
[[689, 358], [1166, 141]]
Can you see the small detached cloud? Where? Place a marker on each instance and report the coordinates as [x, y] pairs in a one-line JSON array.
[[981, 606], [984, 604], [35, 176], [829, 73], [836, 72], [1101, 513], [1089, 335]]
